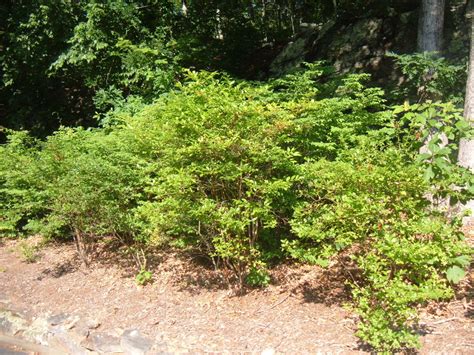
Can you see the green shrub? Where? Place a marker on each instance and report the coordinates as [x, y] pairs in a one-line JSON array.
[[22, 197], [249, 173], [428, 76], [143, 277], [94, 185], [78, 182], [29, 253], [228, 155], [220, 178], [258, 276], [430, 133], [375, 201]]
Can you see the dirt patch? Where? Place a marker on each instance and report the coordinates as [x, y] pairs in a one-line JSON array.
[[190, 307]]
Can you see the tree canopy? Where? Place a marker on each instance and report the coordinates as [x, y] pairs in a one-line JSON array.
[[67, 62]]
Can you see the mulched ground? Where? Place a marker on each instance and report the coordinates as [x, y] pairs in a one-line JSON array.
[[191, 308]]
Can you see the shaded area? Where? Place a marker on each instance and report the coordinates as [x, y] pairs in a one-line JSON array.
[[60, 269]]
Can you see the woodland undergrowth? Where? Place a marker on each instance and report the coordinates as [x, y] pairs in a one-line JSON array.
[[305, 167]]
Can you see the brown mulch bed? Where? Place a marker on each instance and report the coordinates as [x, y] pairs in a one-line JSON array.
[[191, 308]]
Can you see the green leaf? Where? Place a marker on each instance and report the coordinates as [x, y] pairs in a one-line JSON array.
[[462, 260], [455, 274], [461, 125], [429, 174], [322, 262], [424, 156]]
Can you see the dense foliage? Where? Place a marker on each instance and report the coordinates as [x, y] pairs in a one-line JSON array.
[[65, 62], [125, 120], [249, 174]]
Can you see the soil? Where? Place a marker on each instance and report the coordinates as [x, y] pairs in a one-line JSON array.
[[191, 308]]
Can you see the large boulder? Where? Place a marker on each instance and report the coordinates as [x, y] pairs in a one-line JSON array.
[[358, 46], [361, 44]]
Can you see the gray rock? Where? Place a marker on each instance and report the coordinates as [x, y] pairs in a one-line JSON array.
[[133, 343], [57, 319], [290, 57], [63, 341], [37, 331], [12, 323], [92, 324], [103, 343], [5, 325], [64, 320]]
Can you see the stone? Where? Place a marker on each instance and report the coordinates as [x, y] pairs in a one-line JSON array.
[[5, 325], [61, 340], [57, 319], [72, 322], [92, 324], [290, 57], [102, 342], [37, 331], [133, 343], [12, 323]]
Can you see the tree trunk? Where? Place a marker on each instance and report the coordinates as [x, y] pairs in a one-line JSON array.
[[430, 26], [184, 8], [430, 39], [466, 147]]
